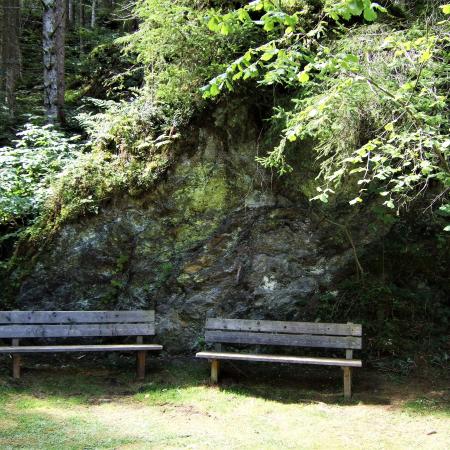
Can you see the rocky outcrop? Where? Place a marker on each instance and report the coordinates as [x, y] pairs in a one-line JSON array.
[[216, 237]]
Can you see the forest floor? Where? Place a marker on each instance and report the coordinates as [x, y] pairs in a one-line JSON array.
[[82, 404]]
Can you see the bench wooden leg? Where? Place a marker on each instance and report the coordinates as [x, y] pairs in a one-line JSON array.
[[16, 360], [215, 369], [140, 365], [347, 382], [16, 366], [140, 360]]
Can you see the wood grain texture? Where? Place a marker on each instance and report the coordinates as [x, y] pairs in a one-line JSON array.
[[81, 348], [331, 329], [76, 330], [280, 359], [297, 340], [70, 317]]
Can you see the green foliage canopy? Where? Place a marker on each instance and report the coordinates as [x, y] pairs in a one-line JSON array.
[[27, 168], [374, 97], [179, 53]]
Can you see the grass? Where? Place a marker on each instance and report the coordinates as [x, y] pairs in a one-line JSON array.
[[87, 406]]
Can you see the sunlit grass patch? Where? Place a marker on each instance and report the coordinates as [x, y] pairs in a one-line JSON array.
[[42, 427]]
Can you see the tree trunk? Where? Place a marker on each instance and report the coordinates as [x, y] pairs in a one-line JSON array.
[[60, 55], [70, 13], [93, 13], [81, 13], [81, 24], [10, 51], [53, 50]]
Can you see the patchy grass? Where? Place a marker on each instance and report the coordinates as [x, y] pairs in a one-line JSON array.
[[437, 406], [256, 406]]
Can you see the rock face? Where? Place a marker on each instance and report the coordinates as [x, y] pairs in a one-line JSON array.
[[215, 238]]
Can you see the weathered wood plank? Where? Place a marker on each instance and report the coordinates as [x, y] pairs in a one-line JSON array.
[[68, 317], [81, 348], [75, 330], [280, 359], [332, 329], [300, 340]]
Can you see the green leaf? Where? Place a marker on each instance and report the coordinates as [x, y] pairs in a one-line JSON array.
[[445, 209], [267, 56], [243, 15], [269, 24], [303, 77], [291, 137], [446, 9], [426, 55], [225, 29], [378, 7], [351, 58], [214, 90], [213, 24], [369, 14], [355, 7], [247, 57], [355, 201]]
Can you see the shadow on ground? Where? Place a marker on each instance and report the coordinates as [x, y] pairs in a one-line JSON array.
[[93, 380]]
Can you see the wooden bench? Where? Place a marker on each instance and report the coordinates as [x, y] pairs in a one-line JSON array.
[[297, 334], [16, 325]]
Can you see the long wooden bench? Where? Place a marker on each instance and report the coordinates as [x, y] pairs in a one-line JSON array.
[[16, 325], [346, 337]]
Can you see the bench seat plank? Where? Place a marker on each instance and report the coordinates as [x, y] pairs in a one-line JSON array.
[[80, 348], [68, 317], [276, 326], [281, 359], [341, 362], [300, 340]]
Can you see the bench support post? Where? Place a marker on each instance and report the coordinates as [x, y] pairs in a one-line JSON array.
[[347, 382], [16, 361], [348, 373], [215, 369], [140, 360]]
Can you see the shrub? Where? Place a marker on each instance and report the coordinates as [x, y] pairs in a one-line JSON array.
[[28, 167]]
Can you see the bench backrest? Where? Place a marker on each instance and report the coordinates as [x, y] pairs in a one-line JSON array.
[[267, 332], [48, 324]]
